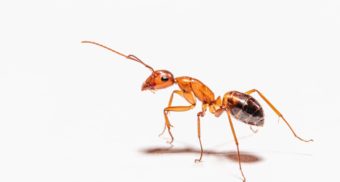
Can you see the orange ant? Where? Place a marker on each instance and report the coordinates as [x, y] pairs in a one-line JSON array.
[[241, 106]]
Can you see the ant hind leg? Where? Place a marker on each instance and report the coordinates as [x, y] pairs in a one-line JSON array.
[[278, 113], [236, 142]]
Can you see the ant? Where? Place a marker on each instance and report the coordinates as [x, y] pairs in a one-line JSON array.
[[241, 105]]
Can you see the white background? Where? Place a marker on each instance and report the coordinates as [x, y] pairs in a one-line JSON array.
[[73, 112]]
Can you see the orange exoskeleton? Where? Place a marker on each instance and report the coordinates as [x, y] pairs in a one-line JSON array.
[[241, 105]]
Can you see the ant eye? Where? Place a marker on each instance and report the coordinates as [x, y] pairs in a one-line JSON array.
[[164, 78]]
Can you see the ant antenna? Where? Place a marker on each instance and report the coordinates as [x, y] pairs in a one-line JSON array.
[[131, 57]]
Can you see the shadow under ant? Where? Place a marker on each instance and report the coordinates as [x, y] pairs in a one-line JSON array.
[[231, 155]]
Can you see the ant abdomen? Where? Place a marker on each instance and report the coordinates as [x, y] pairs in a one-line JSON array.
[[244, 108]]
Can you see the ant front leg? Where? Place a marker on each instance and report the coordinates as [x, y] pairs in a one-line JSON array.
[[179, 92], [278, 113], [189, 97]]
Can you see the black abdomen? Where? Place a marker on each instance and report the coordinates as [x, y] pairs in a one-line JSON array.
[[244, 108]]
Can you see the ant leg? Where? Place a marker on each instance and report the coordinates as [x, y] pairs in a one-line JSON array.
[[179, 92], [188, 96], [236, 142], [163, 131], [278, 113], [254, 130], [200, 114], [177, 109]]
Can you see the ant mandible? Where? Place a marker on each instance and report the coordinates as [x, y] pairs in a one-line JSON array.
[[241, 106]]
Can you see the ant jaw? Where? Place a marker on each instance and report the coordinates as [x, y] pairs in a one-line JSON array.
[[147, 86]]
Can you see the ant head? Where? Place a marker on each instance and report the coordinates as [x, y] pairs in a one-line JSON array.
[[159, 79]]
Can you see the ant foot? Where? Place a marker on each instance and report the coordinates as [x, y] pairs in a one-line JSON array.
[[254, 130], [198, 160], [170, 142], [162, 133], [310, 140]]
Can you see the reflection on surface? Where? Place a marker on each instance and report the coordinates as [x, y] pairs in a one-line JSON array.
[[232, 155]]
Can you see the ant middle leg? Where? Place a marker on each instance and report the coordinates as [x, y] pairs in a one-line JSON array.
[[199, 115], [278, 113]]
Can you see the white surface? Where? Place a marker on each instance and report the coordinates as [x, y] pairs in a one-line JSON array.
[[72, 112]]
